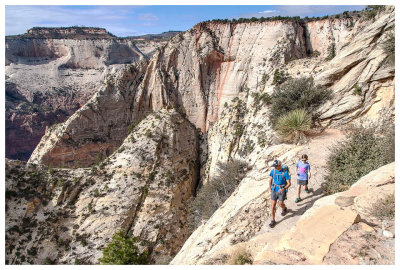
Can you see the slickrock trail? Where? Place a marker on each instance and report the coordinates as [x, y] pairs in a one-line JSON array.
[[317, 150]]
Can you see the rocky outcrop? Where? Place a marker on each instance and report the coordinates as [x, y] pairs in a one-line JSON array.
[[141, 189]]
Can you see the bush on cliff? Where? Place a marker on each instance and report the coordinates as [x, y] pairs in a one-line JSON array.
[[388, 45], [216, 191], [364, 151], [371, 11], [297, 93], [292, 127], [122, 250], [384, 208]]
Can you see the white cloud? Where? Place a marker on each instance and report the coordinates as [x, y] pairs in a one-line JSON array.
[[147, 17], [268, 11]]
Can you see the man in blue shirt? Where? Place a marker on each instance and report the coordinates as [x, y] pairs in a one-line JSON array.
[[279, 182]]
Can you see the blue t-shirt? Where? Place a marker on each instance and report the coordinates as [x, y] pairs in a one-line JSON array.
[[302, 170], [279, 178]]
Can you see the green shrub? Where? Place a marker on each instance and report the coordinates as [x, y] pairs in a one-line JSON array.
[[265, 78], [241, 257], [293, 126], [298, 93], [384, 208], [238, 129], [130, 128], [362, 153], [331, 51], [371, 11], [388, 45], [48, 261], [260, 99], [357, 90], [148, 133], [50, 169], [279, 77], [316, 53], [216, 191], [122, 251]]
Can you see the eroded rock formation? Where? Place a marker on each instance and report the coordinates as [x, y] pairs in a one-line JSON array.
[[63, 215], [56, 71]]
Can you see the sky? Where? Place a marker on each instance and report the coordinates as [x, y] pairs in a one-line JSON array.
[[124, 20]]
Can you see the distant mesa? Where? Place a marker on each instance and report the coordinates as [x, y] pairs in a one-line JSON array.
[[80, 32], [73, 32], [155, 37]]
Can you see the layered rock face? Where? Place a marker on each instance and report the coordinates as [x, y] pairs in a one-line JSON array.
[[210, 65], [56, 71], [97, 128], [67, 216]]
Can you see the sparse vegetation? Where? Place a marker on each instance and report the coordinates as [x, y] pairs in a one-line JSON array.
[[331, 51], [298, 93], [362, 153], [279, 18], [388, 46], [279, 77], [265, 78], [123, 251], [316, 53], [148, 133], [371, 11], [48, 261], [241, 257], [216, 191], [292, 127], [260, 99], [384, 208], [357, 90]]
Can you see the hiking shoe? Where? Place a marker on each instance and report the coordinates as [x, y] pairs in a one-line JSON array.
[[307, 191], [272, 224], [297, 200], [284, 211]]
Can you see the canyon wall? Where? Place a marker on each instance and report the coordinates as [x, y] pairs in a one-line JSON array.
[[55, 72], [208, 67]]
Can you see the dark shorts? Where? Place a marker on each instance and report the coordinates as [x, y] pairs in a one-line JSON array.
[[275, 196], [302, 182]]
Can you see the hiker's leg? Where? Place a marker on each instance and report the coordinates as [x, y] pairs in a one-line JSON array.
[[298, 191], [282, 204], [273, 209]]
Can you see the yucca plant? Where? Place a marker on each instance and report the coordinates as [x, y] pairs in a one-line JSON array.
[[292, 126]]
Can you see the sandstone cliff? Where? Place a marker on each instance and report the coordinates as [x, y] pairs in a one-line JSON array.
[[211, 66], [63, 215], [56, 71]]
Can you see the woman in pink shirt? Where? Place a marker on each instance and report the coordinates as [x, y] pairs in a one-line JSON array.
[[303, 170]]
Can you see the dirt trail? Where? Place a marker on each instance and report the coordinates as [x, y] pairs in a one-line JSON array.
[[318, 151]]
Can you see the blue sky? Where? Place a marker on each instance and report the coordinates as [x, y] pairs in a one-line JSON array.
[[138, 20]]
